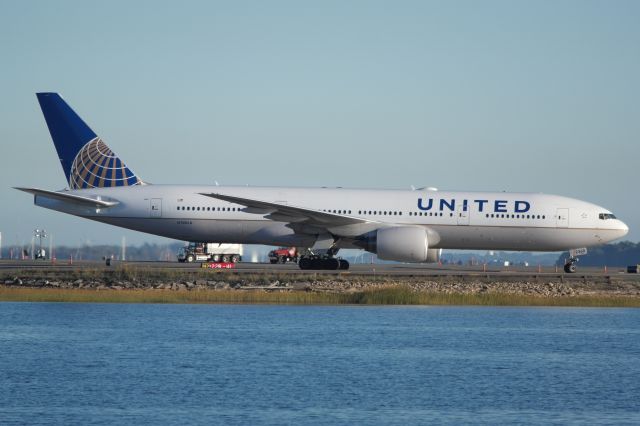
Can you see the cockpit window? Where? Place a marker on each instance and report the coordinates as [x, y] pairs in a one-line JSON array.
[[605, 216]]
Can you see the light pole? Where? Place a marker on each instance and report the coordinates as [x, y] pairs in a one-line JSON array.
[[40, 234]]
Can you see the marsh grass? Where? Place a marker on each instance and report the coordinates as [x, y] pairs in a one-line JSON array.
[[136, 273], [392, 295]]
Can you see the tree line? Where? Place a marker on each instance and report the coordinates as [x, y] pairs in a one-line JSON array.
[[142, 252], [624, 253]]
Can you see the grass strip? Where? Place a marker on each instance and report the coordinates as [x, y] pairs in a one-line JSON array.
[[392, 295]]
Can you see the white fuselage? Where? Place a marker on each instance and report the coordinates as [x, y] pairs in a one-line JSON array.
[[454, 220]]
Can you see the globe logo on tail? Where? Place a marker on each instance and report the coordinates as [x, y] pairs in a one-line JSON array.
[[96, 166]]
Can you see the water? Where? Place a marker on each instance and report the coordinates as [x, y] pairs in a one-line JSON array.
[[206, 364]]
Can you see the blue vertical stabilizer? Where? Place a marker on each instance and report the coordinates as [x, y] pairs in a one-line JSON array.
[[86, 160]]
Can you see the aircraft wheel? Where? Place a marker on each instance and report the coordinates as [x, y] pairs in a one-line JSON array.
[[331, 264], [344, 265], [570, 268], [305, 263], [225, 258], [235, 258], [190, 258]]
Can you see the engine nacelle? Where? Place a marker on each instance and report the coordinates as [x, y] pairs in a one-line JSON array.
[[433, 255], [399, 243]]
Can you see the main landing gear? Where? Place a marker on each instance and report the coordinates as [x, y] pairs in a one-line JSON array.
[[315, 262], [322, 255]]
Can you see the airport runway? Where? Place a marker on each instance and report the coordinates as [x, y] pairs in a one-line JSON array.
[[415, 270]]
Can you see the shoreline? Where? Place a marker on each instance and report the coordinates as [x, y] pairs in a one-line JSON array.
[[143, 285], [387, 295]]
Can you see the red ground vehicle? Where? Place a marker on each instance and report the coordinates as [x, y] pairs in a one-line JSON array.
[[284, 255]]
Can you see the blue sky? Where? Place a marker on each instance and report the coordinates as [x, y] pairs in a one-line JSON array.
[[517, 96]]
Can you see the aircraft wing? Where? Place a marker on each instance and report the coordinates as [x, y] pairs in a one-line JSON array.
[[70, 198], [293, 214]]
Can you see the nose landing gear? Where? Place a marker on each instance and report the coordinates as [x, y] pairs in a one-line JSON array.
[[570, 265]]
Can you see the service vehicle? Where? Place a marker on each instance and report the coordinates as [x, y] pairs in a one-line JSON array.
[[210, 252], [284, 255]]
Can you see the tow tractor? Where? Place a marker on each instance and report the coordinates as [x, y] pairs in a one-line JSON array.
[[284, 255]]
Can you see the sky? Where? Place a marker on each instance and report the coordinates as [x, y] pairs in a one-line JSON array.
[[524, 96]]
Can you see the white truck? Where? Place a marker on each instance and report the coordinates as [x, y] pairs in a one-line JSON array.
[[210, 252]]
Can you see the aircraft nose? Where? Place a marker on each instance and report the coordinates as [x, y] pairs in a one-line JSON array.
[[620, 228], [624, 228]]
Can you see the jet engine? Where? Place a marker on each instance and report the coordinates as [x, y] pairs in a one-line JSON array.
[[399, 243], [433, 255]]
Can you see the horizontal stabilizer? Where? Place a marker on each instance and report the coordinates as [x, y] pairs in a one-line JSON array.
[[71, 198]]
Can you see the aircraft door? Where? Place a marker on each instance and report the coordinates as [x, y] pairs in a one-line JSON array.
[[155, 207], [562, 218]]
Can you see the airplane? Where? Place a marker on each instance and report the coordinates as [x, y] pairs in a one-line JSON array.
[[398, 225]]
